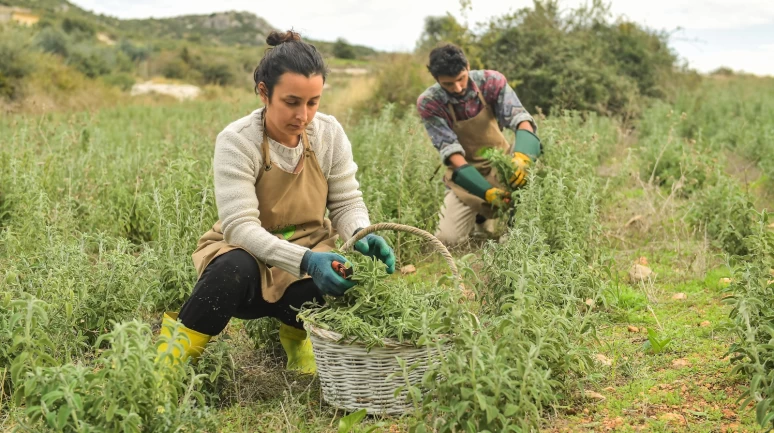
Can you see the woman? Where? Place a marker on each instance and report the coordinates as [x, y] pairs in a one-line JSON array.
[[277, 170]]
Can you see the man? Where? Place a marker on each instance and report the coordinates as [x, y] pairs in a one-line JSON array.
[[464, 113]]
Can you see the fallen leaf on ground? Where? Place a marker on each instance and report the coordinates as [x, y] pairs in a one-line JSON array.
[[609, 389], [730, 428], [633, 328], [408, 269], [611, 424], [680, 362], [729, 414], [604, 360], [594, 395], [670, 417], [705, 323], [633, 220], [680, 295], [639, 273]]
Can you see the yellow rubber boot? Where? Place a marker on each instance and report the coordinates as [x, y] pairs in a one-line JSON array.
[[298, 347], [192, 347]]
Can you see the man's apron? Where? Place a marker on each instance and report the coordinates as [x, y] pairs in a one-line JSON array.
[[292, 206], [476, 134]]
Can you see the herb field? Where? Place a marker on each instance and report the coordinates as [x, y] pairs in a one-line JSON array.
[[634, 290]]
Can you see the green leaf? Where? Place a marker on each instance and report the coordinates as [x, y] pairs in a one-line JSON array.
[[348, 422], [61, 419]]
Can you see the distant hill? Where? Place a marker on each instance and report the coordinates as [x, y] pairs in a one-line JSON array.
[[217, 29]]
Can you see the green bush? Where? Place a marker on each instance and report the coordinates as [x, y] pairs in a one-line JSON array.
[[726, 213], [53, 40], [400, 81], [217, 73], [343, 50], [81, 28], [121, 80], [752, 301], [16, 60], [124, 391], [94, 61], [175, 68], [557, 60]]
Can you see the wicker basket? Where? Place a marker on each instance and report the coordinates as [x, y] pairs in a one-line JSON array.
[[355, 378]]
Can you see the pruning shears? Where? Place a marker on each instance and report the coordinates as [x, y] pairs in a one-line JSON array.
[[342, 269]]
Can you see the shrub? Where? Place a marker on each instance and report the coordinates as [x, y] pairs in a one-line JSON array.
[[16, 61], [401, 79], [343, 50], [121, 80], [126, 390], [53, 40], [218, 73]]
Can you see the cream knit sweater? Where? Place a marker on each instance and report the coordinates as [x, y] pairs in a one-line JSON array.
[[238, 161]]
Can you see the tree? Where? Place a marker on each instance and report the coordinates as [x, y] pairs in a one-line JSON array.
[[343, 50]]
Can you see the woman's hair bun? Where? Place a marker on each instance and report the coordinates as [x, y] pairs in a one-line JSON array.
[[275, 38]]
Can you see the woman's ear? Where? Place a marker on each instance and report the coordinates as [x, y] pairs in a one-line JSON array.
[[263, 92]]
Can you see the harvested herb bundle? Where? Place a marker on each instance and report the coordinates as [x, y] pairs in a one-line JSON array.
[[382, 307]]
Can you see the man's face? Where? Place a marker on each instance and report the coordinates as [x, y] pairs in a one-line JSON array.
[[456, 85]]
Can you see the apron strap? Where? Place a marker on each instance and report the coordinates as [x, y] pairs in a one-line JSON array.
[[305, 139], [481, 98], [451, 111], [265, 145], [451, 107]]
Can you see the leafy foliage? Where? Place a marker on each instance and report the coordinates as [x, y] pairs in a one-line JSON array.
[[379, 307]]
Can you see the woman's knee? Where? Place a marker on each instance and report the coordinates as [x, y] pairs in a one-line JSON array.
[[236, 266]]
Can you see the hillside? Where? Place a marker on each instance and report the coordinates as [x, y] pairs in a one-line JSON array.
[[231, 28], [97, 55]]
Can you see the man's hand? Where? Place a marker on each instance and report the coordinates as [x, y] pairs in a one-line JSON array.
[[525, 152], [519, 177], [472, 181], [497, 197]]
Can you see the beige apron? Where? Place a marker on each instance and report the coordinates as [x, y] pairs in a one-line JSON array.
[[292, 206], [476, 134]]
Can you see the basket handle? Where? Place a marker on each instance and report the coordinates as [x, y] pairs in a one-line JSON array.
[[439, 247]]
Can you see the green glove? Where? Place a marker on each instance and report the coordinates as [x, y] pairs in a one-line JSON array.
[[375, 246], [319, 266], [527, 143], [472, 181]]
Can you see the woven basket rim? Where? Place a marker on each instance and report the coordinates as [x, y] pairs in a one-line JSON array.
[[335, 337]]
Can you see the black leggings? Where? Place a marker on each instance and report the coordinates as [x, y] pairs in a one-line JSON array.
[[230, 286]]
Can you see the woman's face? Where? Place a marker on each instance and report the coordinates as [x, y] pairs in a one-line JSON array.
[[293, 103]]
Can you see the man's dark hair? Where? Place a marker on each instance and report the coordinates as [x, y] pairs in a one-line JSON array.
[[447, 60]]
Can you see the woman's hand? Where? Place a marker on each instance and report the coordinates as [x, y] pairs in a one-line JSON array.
[[319, 266], [375, 246]]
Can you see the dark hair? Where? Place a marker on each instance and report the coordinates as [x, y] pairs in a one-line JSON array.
[[447, 60], [287, 53]]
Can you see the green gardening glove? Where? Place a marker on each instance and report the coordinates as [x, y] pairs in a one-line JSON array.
[[525, 152], [528, 144], [319, 266], [375, 246], [472, 181]]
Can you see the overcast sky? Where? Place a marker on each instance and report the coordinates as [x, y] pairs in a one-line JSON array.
[[708, 34]]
